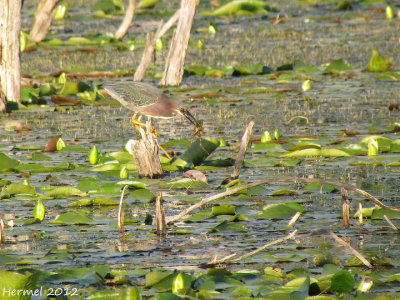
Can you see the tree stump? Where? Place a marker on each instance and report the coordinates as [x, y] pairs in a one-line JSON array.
[[10, 68], [146, 154]]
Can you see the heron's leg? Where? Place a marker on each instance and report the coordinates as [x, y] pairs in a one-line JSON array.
[[137, 122]]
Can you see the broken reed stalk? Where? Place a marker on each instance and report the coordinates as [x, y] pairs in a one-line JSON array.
[[121, 211], [160, 216], [2, 236], [294, 219], [227, 259], [390, 223], [351, 249], [345, 207], [214, 197], [242, 151], [360, 214]]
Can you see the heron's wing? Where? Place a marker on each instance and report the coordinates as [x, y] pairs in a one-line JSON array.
[[133, 95]]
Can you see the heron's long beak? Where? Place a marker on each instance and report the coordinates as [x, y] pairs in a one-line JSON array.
[[190, 117]]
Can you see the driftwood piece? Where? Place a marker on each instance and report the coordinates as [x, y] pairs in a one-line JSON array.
[[160, 216], [146, 154], [10, 66], [242, 150], [130, 13], [42, 21], [173, 71]]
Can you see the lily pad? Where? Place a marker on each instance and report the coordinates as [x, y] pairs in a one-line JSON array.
[[65, 191], [6, 162], [280, 210], [72, 218]]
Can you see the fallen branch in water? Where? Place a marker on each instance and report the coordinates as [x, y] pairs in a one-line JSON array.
[[228, 258], [173, 219]]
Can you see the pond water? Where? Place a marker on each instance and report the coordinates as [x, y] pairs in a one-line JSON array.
[[353, 100]]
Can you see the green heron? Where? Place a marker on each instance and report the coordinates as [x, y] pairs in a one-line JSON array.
[[147, 100]]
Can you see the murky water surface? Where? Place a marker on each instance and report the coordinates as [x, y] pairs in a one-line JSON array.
[[334, 104]]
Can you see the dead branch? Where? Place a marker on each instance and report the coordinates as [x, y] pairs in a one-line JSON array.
[[43, 18], [351, 249], [242, 151], [251, 253], [390, 223], [173, 71], [130, 13]]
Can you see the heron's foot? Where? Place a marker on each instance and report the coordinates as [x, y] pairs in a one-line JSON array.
[[138, 123]]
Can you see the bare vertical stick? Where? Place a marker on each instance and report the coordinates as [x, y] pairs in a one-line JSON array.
[[160, 216], [146, 154], [242, 150], [42, 21], [2, 237], [130, 13], [173, 71], [360, 215], [150, 45], [345, 207], [121, 211], [147, 56], [10, 66]]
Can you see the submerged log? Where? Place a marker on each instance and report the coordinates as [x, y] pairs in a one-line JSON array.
[[146, 154]]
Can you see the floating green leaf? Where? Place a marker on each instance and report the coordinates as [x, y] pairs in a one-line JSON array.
[[72, 218], [16, 188], [378, 63], [223, 210], [280, 210], [6, 162], [240, 7], [97, 201], [65, 191], [321, 187], [13, 281], [342, 282]]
